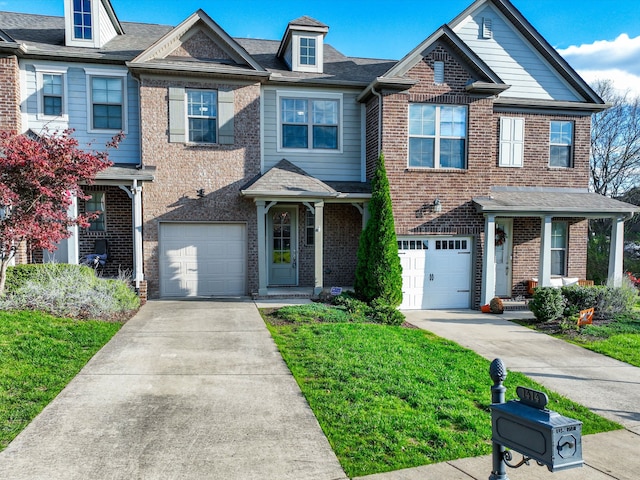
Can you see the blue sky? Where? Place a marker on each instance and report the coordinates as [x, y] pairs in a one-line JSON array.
[[599, 39]]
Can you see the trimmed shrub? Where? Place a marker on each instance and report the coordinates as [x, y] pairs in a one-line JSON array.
[[547, 304], [352, 305], [21, 274], [615, 300]]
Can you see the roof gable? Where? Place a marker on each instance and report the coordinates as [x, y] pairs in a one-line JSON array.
[[198, 38], [519, 54]]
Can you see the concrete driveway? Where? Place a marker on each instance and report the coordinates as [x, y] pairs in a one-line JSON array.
[[186, 390]]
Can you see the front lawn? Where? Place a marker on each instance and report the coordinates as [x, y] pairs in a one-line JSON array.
[[392, 397], [619, 338], [39, 355]]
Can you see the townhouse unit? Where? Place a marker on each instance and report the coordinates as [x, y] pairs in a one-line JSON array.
[[246, 163]]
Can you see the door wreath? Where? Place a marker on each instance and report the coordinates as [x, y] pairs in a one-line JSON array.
[[501, 236]]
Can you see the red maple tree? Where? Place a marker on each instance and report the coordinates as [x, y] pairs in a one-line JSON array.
[[38, 179]]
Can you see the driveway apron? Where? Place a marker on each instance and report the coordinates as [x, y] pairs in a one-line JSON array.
[[185, 390]]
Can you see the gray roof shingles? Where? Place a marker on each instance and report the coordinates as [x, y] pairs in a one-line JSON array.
[[44, 37]]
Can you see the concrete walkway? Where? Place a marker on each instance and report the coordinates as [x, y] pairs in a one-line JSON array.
[[186, 390], [606, 386]]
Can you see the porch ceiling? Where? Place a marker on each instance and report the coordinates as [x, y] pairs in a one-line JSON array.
[[120, 172], [559, 202]]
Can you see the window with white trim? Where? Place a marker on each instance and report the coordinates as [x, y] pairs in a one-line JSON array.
[[310, 227], [96, 204], [107, 103], [309, 123], [307, 51], [511, 141], [82, 21], [559, 241], [561, 144], [202, 114], [437, 136]]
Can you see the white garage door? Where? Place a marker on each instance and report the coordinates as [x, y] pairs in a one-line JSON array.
[[436, 273], [203, 259]]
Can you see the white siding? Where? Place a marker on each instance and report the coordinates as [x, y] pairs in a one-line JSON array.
[[127, 152], [344, 165], [513, 59], [107, 31]]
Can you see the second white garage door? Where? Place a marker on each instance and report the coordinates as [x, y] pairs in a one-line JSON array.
[[203, 259], [436, 273]]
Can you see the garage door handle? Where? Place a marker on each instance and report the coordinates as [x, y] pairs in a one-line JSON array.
[[466, 291]]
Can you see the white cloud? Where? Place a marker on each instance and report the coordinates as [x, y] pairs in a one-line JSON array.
[[617, 60]]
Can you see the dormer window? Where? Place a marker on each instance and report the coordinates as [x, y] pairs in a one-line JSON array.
[[307, 51], [82, 23]]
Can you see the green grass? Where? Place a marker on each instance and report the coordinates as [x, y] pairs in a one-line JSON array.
[[390, 397], [39, 355], [619, 339]]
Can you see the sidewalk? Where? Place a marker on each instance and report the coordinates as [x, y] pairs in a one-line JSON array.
[[606, 386], [185, 390]]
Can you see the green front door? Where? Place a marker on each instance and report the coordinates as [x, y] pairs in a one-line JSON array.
[[283, 246]]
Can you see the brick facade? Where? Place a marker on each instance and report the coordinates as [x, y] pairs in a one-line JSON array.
[[413, 190], [118, 232], [183, 169], [10, 118]]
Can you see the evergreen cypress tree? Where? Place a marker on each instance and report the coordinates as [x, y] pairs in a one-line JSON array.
[[378, 272]]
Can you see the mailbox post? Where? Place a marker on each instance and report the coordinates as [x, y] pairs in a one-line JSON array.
[[529, 428]]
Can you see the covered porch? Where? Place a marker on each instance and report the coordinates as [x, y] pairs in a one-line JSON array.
[[282, 232], [548, 204]]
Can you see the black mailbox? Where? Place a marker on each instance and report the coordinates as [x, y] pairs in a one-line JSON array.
[[545, 436]]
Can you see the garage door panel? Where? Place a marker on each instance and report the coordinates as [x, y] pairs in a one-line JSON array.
[[436, 273], [201, 259]]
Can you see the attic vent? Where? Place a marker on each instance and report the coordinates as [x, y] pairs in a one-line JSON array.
[[438, 72], [487, 31]]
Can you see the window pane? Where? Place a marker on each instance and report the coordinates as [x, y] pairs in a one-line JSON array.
[[307, 51], [557, 262], [560, 156], [52, 105], [295, 136], [422, 119], [325, 137], [107, 117], [96, 204], [325, 112], [452, 153], [294, 110], [202, 103], [561, 133], [106, 90], [453, 121], [202, 130], [558, 235], [51, 84], [421, 152]]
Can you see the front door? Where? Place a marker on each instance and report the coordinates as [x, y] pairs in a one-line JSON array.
[[503, 257], [283, 246]]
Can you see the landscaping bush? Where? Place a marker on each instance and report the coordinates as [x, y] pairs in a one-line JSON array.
[[352, 305], [615, 300], [386, 314], [69, 291], [579, 298], [547, 304], [21, 274]]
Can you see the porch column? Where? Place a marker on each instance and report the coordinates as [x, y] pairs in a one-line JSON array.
[[136, 198], [262, 247], [73, 249], [616, 249], [544, 268], [318, 237], [489, 260]]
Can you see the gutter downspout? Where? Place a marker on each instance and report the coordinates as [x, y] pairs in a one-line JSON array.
[[137, 80]]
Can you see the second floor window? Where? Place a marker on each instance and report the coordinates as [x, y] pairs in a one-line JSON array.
[[202, 113], [437, 136], [107, 100], [52, 94], [82, 28], [561, 144], [309, 123]]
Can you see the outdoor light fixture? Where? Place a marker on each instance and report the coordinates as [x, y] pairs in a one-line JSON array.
[[437, 206], [200, 192]]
